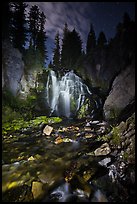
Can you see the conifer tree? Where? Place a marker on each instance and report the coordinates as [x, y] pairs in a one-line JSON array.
[[91, 41], [56, 53], [101, 42], [18, 25], [71, 48], [41, 39]]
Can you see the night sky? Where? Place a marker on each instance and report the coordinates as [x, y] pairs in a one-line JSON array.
[[104, 16]]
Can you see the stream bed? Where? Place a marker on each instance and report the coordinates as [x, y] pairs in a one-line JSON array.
[[59, 167]]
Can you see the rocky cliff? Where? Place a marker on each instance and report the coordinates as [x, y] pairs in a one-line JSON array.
[[12, 67]]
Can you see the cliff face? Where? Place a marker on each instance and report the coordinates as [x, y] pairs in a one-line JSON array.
[[12, 67], [14, 76]]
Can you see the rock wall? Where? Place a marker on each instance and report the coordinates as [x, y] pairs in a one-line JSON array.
[[12, 67], [122, 93]]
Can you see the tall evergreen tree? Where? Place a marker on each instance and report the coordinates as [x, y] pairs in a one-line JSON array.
[[64, 53], [38, 37], [101, 42], [56, 53], [71, 49], [34, 23], [41, 39], [18, 27], [91, 41], [6, 16]]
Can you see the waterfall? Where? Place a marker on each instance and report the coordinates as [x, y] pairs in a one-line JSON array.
[[65, 95]]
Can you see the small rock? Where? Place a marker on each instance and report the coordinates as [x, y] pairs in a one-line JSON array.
[[37, 190], [89, 135], [101, 129], [47, 130], [94, 122], [67, 140], [58, 140], [104, 149], [31, 158], [105, 161], [87, 129]]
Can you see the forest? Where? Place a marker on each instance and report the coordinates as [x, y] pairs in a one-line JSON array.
[[68, 125]]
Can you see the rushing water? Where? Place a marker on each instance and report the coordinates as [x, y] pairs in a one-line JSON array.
[[65, 95], [63, 163]]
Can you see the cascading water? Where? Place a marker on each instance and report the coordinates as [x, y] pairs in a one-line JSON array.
[[65, 95]]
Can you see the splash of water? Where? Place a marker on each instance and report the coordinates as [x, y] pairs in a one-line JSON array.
[[66, 95]]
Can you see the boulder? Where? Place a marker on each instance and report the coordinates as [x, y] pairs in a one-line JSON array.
[[121, 95]]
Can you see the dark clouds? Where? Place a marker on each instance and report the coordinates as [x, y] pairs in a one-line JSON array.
[[103, 15]]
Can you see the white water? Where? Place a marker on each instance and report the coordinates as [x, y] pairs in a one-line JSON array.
[[65, 95]]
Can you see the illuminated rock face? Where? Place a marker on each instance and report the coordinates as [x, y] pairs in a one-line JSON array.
[[12, 67], [65, 95]]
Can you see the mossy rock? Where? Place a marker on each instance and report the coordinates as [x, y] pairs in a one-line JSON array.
[[84, 109]]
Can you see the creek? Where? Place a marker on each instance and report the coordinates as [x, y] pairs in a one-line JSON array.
[[63, 163]]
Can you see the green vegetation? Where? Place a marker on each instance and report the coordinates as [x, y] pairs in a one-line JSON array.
[[104, 138], [20, 123], [18, 114], [116, 136], [84, 110]]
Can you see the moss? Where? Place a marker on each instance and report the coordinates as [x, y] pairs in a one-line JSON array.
[[125, 156], [72, 105], [104, 138], [114, 113], [20, 123], [84, 110], [116, 136]]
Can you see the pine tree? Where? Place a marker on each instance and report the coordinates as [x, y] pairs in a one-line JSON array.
[[56, 53], [18, 25], [91, 41], [34, 23], [71, 48], [64, 46], [6, 16], [41, 39], [37, 32], [101, 42]]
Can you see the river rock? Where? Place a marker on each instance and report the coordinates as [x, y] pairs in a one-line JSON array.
[[37, 189], [105, 161], [47, 130], [104, 149]]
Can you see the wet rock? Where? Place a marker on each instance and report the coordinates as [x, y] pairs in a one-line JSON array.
[[47, 130], [113, 174], [87, 129], [102, 129], [58, 140], [88, 174], [89, 135], [31, 158], [94, 122], [37, 189], [67, 140], [104, 149], [99, 197], [105, 161], [20, 194]]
